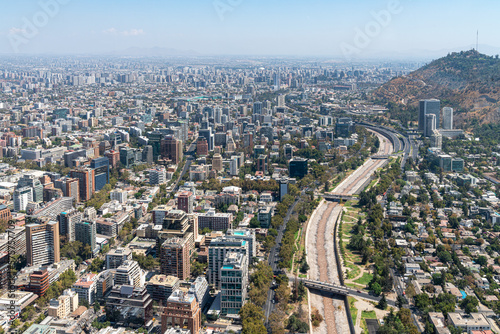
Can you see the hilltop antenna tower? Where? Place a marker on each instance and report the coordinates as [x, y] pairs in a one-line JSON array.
[[477, 41]]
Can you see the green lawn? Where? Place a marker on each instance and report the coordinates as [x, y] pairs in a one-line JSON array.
[[353, 270], [355, 286], [368, 315], [354, 310], [365, 279]]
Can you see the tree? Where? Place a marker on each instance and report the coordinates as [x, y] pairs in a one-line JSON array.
[[410, 291], [97, 307], [469, 304], [400, 301], [252, 318], [254, 223], [376, 289], [382, 304], [422, 301]]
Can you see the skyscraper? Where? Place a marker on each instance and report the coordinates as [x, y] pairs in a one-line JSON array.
[[430, 125], [42, 243], [67, 222], [85, 232], [86, 184], [22, 196], [185, 201], [147, 154], [447, 118], [234, 281], [172, 149], [283, 190], [217, 250], [209, 136], [432, 106], [257, 108], [30, 180], [202, 146], [175, 258], [101, 172]]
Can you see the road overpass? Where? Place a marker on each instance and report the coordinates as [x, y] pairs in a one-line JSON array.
[[338, 290]]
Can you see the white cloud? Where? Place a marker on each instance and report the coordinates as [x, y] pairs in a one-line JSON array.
[[110, 31], [14, 30], [131, 32]]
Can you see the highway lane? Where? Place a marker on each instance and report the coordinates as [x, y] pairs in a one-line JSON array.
[[273, 255], [189, 161]]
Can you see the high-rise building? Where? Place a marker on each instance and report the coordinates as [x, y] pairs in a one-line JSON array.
[[185, 201], [129, 273], [344, 127], [199, 288], [234, 282], [113, 157], [104, 283], [86, 232], [288, 150], [215, 221], [298, 167], [217, 251], [42, 243], [249, 236], [101, 172], [217, 162], [233, 166], [67, 222], [257, 108], [436, 139], [262, 164], [202, 146], [209, 136], [283, 190], [130, 305], [21, 198], [86, 184], [174, 258], [159, 214], [69, 186], [64, 305], [426, 107], [31, 181], [160, 287], [172, 149], [182, 310], [127, 156], [430, 125], [147, 154], [280, 100], [39, 282], [115, 257], [157, 175], [447, 118]]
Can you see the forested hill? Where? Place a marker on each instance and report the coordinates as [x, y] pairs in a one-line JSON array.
[[468, 81]]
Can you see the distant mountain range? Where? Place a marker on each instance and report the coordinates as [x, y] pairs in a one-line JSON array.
[[154, 52], [468, 81]]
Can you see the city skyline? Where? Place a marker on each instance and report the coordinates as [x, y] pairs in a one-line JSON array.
[[357, 30]]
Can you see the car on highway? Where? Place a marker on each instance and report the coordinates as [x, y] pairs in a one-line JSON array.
[[358, 291]]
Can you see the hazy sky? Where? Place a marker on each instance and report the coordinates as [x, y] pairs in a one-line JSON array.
[[247, 27]]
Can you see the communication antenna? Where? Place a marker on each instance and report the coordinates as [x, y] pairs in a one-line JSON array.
[[477, 41]]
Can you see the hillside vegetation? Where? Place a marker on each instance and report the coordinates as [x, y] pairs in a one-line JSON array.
[[468, 81]]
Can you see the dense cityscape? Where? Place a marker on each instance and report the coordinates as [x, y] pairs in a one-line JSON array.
[[256, 180]]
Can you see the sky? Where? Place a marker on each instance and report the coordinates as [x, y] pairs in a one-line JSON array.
[[355, 28]]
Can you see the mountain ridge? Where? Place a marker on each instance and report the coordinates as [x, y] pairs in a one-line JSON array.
[[467, 81]]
